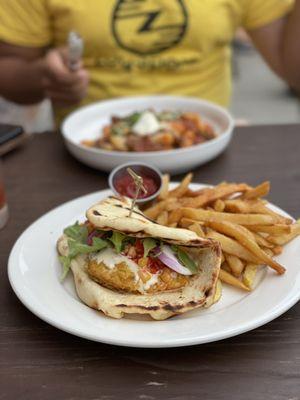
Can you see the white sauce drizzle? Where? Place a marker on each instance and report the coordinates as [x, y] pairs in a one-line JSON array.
[[110, 258], [152, 281]]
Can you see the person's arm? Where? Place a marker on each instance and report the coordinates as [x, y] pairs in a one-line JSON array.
[[28, 75], [279, 44], [21, 73]]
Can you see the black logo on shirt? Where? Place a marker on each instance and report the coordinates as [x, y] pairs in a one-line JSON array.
[[145, 27]]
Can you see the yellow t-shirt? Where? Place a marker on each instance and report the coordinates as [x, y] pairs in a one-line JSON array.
[[143, 46]]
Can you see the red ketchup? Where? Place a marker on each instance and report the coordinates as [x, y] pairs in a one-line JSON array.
[[126, 187]]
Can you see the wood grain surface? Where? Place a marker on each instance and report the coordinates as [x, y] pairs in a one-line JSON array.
[[38, 361]]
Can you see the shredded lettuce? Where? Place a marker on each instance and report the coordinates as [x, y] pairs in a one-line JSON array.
[[77, 242], [185, 259], [76, 248], [117, 239], [77, 232], [148, 244], [66, 263]]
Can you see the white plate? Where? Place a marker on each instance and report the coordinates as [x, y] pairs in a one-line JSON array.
[[34, 273], [87, 123]]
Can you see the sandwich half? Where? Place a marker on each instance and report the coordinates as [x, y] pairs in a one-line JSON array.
[[131, 265]]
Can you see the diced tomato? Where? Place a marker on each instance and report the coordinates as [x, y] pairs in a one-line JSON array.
[[155, 265], [139, 248]]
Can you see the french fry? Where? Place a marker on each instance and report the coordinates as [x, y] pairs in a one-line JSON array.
[[162, 218], [261, 190], [249, 274], [212, 194], [276, 229], [262, 208], [254, 207], [242, 219], [181, 189], [235, 264], [242, 235], [231, 246], [165, 187], [194, 193], [277, 250], [237, 206], [173, 225], [218, 292], [219, 205], [172, 204], [231, 280], [284, 239], [261, 241], [153, 211], [174, 216], [197, 229], [268, 251], [186, 222], [225, 266]]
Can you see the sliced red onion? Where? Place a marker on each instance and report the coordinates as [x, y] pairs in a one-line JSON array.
[[167, 256], [93, 234]]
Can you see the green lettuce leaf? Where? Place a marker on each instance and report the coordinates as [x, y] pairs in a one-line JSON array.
[[75, 248], [77, 232], [185, 259], [117, 239], [148, 244], [66, 263]]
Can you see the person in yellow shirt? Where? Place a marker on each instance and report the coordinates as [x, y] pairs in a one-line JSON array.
[[138, 47]]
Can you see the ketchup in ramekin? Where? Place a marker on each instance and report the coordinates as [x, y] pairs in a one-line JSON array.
[[122, 183]]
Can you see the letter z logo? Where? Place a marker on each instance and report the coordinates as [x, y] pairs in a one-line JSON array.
[[151, 17], [140, 27]]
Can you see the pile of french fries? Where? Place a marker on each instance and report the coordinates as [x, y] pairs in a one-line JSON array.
[[236, 215]]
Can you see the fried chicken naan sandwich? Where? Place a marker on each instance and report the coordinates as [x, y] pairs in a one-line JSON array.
[[128, 264]]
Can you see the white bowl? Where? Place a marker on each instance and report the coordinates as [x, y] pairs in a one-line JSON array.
[[87, 123]]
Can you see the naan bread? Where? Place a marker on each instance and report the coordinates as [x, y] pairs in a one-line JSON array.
[[113, 214]]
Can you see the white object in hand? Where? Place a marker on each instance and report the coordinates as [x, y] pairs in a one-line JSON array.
[[75, 49]]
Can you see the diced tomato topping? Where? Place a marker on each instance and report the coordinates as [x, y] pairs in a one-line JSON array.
[[155, 265], [139, 248]]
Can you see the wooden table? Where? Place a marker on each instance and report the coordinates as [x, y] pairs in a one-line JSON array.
[[41, 362]]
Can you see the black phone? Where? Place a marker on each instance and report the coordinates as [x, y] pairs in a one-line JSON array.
[[11, 136], [9, 132]]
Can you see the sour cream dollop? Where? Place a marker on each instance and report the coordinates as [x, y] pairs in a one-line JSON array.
[[147, 124]]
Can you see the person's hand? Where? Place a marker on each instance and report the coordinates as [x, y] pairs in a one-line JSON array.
[[62, 86]]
